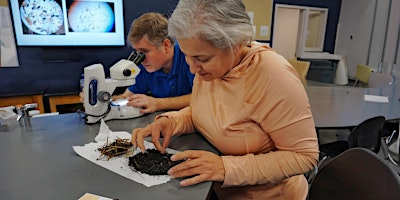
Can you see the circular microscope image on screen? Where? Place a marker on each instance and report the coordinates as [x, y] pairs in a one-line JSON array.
[[89, 16], [41, 16]]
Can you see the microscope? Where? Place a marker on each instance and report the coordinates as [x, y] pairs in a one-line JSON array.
[[98, 90]]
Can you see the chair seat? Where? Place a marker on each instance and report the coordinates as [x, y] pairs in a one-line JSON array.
[[334, 148], [302, 67], [377, 80], [362, 74]]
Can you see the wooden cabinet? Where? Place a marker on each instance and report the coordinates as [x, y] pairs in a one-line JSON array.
[[54, 101], [15, 100], [43, 104]]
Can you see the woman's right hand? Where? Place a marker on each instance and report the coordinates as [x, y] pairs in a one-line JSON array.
[[162, 126], [138, 135]]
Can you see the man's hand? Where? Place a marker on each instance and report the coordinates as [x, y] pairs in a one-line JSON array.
[[147, 103]]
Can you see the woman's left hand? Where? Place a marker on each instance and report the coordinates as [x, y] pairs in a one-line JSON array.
[[199, 166]]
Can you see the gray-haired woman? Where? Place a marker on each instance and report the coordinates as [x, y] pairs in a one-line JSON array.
[[247, 100]]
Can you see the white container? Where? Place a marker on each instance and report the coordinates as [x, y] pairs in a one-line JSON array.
[[7, 114]]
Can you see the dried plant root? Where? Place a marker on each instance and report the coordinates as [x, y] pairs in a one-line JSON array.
[[117, 148]]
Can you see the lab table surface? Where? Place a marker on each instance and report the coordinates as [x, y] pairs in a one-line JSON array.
[[336, 107], [38, 162]]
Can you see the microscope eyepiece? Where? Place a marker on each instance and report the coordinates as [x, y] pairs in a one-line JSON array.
[[132, 55], [136, 57]]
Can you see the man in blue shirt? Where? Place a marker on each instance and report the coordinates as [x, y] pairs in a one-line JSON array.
[[165, 82]]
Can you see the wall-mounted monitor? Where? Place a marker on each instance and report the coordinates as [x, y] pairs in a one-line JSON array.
[[68, 22]]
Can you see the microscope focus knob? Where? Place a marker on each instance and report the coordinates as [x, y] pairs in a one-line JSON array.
[[127, 72], [104, 96]]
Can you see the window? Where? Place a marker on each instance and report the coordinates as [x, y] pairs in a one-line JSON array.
[[312, 27], [299, 30]]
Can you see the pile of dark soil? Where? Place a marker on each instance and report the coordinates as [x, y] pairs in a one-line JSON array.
[[152, 162]]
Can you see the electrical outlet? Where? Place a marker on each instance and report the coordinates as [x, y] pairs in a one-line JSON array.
[[263, 30]]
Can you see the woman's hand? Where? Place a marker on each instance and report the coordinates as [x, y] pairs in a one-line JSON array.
[[160, 127], [200, 166], [138, 135], [147, 103]]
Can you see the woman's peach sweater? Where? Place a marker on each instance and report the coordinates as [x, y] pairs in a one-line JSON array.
[[258, 116]]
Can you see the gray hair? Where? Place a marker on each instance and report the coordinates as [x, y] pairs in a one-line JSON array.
[[222, 23]]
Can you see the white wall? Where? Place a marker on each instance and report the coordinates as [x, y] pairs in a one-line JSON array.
[[378, 34], [368, 33], [354, 32], [392, 35]]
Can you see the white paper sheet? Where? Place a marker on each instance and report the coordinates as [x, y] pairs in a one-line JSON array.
[[376, 98], [119, 164]]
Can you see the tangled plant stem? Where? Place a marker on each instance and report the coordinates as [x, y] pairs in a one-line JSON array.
[[116, 148]]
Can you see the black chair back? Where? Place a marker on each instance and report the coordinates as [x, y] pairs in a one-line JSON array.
[[367, 134], [356, 174]]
